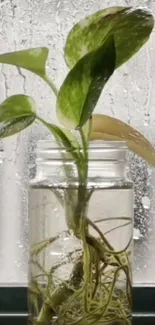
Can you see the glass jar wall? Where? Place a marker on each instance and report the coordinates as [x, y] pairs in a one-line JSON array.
[[80, 269]]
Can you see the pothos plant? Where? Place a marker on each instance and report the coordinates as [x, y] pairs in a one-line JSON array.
[[95, 48]]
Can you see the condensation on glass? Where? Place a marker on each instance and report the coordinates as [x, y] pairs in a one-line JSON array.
[[71, 266], [129, 95]]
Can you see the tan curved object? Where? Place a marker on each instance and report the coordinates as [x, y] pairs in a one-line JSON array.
[[105, 127]]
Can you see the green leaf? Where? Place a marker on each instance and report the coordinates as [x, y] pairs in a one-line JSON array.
[[83, 85], [131, 29], [33, 60], [16, 113], [108, 128], [87, 129]]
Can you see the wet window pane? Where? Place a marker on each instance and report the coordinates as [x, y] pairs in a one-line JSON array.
[[129, 95]]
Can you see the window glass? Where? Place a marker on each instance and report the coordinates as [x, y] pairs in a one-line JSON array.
[[129, 95]]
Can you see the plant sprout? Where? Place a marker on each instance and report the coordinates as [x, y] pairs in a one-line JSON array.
[[94, 49]]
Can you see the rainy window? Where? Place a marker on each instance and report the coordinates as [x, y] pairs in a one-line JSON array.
[[129, 96]]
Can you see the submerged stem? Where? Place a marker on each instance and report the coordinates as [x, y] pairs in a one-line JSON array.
[[105, 241]]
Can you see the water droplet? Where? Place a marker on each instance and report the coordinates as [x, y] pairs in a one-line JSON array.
[[56, 254], [146, 119], [66, 238], [23, 41], [136, 234], [19, 244], [86, 7], [146, 202]]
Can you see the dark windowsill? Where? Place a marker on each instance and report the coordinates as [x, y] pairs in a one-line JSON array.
[[13, 305]]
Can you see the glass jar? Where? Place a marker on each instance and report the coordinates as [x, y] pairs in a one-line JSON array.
[[80, 269]]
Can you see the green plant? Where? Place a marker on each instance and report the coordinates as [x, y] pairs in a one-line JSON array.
[[95, 47]]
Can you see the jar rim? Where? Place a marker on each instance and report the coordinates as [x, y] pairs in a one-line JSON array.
[[96, 144], [100, 150]]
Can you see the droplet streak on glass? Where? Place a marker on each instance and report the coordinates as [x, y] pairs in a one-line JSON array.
[[146, 202]]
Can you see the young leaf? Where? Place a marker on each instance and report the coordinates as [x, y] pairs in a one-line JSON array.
[[33, 60], [131, 29], [82, 87], [16, 113], [108, 128]]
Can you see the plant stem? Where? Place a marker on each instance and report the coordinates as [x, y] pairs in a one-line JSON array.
[[85, 154], [60, 295], [51, 84], [110, 249], [45, 315], [116, 254]]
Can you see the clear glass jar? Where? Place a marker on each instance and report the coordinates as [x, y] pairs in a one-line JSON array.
[[80, 269]]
